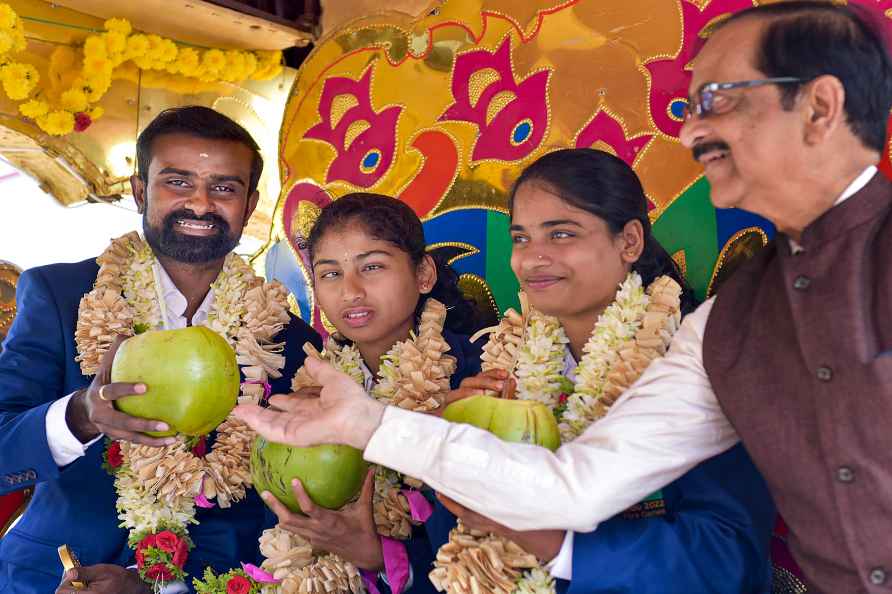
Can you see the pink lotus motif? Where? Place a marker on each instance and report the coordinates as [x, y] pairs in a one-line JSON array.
[[512, 116], [605, 128], [670, 78], [365, 139]]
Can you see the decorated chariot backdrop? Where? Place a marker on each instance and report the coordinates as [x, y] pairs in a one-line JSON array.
[[444, 109]]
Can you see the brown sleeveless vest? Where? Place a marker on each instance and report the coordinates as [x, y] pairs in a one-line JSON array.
[[799, 351]]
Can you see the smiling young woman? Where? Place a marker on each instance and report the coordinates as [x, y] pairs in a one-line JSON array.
[[579, 226], [600, 287]]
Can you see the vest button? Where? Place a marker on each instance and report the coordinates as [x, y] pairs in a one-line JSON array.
[[844, 474], [824, 373], [877, 576], [801, 283]]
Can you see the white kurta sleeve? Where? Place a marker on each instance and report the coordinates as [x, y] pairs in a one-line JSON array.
[[661, 427]]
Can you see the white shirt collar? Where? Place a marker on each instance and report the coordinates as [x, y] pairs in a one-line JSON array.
[[856, 185], [853, 188], [175, 302]]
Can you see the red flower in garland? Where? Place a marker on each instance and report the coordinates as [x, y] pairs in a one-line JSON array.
[[238, 585], [159, 571], [82, 121], [181, 554], [562, 399], [167, 541], [148, 541], [113, 454]]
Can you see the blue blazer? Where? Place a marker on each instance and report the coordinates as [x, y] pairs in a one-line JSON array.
[[707, 532], [75, 505]]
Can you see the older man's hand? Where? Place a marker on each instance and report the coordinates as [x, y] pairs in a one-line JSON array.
[[342, 414]]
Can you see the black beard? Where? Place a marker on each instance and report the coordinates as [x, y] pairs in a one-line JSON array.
[[189, 249]]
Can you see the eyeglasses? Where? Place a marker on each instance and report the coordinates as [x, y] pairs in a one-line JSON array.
[[703, 103]]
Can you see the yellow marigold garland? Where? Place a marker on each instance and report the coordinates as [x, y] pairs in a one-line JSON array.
[[79, 78]]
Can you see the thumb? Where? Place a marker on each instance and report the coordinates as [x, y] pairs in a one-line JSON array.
[[368, 487], [323, 372], [108, 358]]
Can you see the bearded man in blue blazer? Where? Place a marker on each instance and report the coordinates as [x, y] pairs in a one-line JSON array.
[[196, 188]]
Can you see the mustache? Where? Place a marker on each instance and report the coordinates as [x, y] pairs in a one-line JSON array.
[[208, 217], [703, 148]]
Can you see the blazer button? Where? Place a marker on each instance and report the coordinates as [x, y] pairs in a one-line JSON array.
[[31, 475], [824, 373], [844, 474], [877, 576], [801, 283]]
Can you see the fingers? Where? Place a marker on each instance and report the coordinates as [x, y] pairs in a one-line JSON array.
[[65, 587], [287, 402], [110, 392], [118, 425], [308, 392], [368, 488], [460, 394], [285, 515], [510, 389], [328, 376], [490, 381], [291, 428], [269, 423], [303, 499]]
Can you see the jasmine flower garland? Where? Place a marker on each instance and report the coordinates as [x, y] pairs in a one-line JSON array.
[[629, 334], [159, 488]]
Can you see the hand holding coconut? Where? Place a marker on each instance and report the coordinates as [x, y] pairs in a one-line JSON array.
[[342, 414], [92, 411], [348, 532], [492, 382]]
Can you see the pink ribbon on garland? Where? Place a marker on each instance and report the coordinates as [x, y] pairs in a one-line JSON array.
[[201, 500], [420, 508], [259, 575], [396, 566]]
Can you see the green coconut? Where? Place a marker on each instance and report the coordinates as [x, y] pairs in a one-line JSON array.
[[519, 421], [331, 475], [191, 375]]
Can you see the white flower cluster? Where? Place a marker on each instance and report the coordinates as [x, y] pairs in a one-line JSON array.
[[535, 581], [141, 511], [616, 325], [228, 311], [540, 361], [347, 359], [388, 373], [138, 284]]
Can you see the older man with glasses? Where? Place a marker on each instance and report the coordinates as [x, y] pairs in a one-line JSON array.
[[788, 117]]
